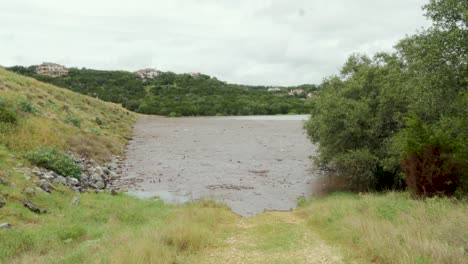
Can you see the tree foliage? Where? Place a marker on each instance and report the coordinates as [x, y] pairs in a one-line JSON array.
[[384, 117], [175, 94]]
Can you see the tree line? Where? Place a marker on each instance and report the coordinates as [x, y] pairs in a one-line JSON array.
[[173, 94]]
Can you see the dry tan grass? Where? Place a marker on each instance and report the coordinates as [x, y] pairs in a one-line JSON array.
[[104, 128], [392, 228]]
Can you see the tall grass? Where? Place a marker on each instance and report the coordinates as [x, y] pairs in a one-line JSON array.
[[55, 117], [392, 228]]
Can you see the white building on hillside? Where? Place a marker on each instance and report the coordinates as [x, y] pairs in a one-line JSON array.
[[274, 89], [148, 73], [51, 69], [295, 92]]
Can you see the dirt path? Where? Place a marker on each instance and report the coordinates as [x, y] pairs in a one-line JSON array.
[[272, 237], [252, 164]]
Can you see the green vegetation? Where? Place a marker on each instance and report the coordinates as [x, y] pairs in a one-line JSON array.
[[391, 227], [7, 116], [174, 95], [53, 159], [71, 119], [401, 118]]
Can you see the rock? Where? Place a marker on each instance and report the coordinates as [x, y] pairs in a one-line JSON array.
[[113, 175], [5, 226], [72, 181], [96, 177], [84, 176], [48, 175], [76, 200], [36, 171], [28, 204], [98, 170], [45, 185], [2, 203], [114, 192], [100, 185], [112, 165], [53, 174], [61, 180]]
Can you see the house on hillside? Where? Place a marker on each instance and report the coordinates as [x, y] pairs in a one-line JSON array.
[[148, 73], [274, 89], [296, 92], [51, 69], [195, 74]]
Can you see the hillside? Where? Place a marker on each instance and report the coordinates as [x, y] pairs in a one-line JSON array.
[[176, 94], [35, 116]]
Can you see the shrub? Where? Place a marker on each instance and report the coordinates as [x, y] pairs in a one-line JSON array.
[[74, 120], [434, 156], [7, 116], [357, 167], [26, 105], [431, 172], [53, 159]]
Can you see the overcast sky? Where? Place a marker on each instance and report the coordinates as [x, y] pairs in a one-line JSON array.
[[268, 42]]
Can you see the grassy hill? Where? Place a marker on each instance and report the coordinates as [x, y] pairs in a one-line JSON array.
[[105, 228]]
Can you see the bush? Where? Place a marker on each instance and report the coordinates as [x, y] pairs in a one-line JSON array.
[[357, 167], [74, 120], [26, 105], [434, 156], [431, 172], [55, 160], [7, 116]]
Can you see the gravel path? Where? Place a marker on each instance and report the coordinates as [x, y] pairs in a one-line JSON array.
[[252, 164]]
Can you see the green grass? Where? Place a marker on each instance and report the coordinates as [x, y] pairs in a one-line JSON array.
[[392, 227]]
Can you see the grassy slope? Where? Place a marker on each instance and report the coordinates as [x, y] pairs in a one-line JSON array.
[[101, 227], [389, 228]]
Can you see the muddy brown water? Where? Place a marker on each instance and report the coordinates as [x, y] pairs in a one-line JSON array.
[[251, 164]]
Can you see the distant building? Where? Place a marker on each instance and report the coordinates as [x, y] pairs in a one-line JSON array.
[[148, 73], [274, 89], [295, 92], [195, 74], [51, 69]]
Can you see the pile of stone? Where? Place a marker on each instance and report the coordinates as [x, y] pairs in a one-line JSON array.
[[93, 175]]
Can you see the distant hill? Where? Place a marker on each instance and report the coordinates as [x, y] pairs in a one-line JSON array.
[[176, 94]]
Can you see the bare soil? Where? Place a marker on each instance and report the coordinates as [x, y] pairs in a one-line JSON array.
[[252, 164]]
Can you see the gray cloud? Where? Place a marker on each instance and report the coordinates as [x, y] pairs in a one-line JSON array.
[[253, 42]]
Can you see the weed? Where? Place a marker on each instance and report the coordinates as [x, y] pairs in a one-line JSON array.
[[53, 159], [26, 105], [7, 116], [74, 120]]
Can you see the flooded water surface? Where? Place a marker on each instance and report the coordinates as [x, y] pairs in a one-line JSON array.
[[252, 164]]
